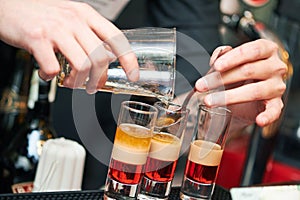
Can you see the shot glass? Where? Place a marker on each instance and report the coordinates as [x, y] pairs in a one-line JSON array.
[[205, 153], [164, 151], [131, 147], [155, 49]]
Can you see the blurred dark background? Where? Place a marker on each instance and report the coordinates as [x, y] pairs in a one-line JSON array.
[[287, 149]]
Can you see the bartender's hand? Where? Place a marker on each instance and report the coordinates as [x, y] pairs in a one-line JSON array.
[[74, 29], [253, 78]]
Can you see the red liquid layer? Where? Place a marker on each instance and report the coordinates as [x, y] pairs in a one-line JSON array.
[[159, 170], [201, 173], [125, 173]]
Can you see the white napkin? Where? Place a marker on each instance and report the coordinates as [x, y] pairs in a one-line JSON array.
[[60, 166]]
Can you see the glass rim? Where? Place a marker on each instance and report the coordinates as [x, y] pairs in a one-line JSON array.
[[152, 109], [180, 108], [153, 30], [216, 110]]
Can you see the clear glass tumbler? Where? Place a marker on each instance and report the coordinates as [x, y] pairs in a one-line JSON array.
[[155, 49], [205, 153]]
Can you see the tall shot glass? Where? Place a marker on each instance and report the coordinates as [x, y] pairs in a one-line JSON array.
[[131, 146], [205, 153], [164, 151]]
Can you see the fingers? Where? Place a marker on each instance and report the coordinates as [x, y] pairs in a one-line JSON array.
[[81, 42], [97, 55], [271, 113], [45, 57], [209, 82], [118, 43], [122, 49], [255, 91], [217, 53], [98, 73], [78, 60], [252, 72], [248, 52], [213, 79], [259, 70]]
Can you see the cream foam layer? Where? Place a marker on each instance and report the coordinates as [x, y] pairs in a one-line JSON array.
[[165, 148], [132, 143], [205, 153], [129, 155]]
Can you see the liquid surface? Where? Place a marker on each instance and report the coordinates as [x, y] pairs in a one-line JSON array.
[[205, 153], [165, 147], [164, 121], [132, 144]]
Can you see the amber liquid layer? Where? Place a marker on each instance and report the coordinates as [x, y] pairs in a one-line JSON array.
[[130, 151]]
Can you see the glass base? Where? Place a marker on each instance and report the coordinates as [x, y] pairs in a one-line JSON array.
[[119, 191], [186, 197], [191, 190], [147, 197], [151, 189]]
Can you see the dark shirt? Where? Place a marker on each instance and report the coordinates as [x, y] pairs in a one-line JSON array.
[[289, 9], [197, 19]]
